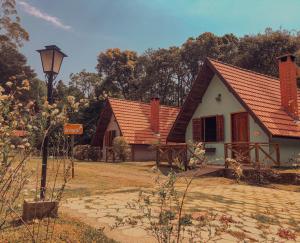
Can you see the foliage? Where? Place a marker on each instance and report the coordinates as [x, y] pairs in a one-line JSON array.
[[121, 148], [88, 83], [236, 166], [14, 153], [170, 72], [13, 63], [118, 70], [87, 152], [198, 156], [286, 234], [162, 214], [10, 27], [259, 52], [66, 230]]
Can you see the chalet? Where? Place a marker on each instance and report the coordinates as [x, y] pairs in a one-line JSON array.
[[141, 124], [231, 109]]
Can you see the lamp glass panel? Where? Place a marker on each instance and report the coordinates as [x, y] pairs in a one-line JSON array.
[[58, 58], [47, 57]]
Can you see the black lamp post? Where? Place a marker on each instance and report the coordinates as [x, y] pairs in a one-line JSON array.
[[51, 58]]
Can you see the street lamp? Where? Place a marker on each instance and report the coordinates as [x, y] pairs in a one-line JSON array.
[[51, 58]]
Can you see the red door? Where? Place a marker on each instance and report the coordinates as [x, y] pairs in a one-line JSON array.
[[240, 136]]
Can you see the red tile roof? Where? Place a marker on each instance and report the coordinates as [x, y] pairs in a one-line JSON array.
[[134, 120], [261, 94]]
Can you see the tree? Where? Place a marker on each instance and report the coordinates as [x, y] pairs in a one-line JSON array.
[[10, 26], [13, 63], [88, 83], [117, 68], [259, 52], [162, 76], [194, 51]]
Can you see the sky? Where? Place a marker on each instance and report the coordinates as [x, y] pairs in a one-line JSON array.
[[84, 28]]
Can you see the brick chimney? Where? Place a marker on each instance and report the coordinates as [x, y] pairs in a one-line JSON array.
[[288, 84], [154, 116]]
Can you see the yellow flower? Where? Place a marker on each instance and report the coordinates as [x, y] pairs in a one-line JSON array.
[[71, 99], [25, 83], [27, 144], [9, 84], [4, 97]]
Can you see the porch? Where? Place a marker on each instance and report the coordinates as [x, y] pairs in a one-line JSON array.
[[248, 153]]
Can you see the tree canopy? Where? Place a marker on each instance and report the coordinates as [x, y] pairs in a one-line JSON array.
[[169, 72]]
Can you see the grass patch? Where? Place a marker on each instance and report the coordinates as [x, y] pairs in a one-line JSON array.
[[66, 229]]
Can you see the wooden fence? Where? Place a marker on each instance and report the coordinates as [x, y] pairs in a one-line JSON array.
[[242, 150]]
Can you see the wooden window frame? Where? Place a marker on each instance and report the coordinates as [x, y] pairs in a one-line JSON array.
[[109, 137], [220, 129]]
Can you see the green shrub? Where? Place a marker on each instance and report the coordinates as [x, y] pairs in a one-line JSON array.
[[121, 148]]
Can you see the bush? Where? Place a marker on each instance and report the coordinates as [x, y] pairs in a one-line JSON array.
[[87, 152], [121, 148]]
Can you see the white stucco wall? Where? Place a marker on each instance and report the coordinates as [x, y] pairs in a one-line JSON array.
[[228, 105], [289, 150]]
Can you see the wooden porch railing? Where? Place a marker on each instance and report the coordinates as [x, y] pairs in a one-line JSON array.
[[172, 151], [243, 150]]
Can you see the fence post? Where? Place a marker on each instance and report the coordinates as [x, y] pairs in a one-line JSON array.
[[157, 156], [170, 157], [106, 151], [113, 154], [277, 154], [225, 155], [256, 154]]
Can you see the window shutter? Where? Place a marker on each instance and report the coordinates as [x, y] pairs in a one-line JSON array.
[[106, 139], [220, 128], [113, 135], [197, 130]]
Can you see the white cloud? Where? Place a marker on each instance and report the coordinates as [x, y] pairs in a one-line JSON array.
[[33, 11]]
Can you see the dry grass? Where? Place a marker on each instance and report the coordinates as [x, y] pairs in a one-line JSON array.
[[66, 229], [98, 177]]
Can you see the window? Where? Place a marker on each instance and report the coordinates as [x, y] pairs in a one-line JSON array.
[[109, 137], [208, 129]]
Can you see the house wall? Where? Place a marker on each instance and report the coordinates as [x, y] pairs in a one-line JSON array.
[[289, 150], [112, 125], [144, 153], [141, 152], [228, 105]]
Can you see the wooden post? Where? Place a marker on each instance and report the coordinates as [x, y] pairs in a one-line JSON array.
[[185, 160], [277, 154], [170, 157], [106, 152], [113, 154], [157, 155], [256, 146], [132, 152], [225, 155], [72, 155]]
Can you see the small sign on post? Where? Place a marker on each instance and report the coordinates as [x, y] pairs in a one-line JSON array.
[[73, 129]]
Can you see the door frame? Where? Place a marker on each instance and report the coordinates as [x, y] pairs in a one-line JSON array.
[[232, 130], [231, 123]]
